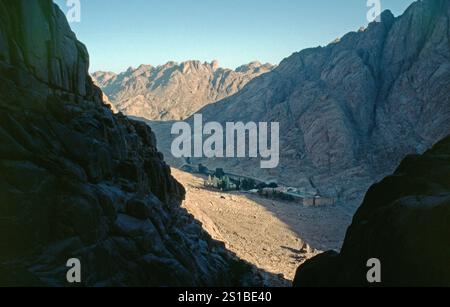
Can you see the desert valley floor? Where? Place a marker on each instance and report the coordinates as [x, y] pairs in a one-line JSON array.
[[274, 236]]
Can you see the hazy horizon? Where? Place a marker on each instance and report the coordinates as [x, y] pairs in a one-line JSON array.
[[128, 34]]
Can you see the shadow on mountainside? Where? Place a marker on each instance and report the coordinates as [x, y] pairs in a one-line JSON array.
[[274, 236], [322, 228]]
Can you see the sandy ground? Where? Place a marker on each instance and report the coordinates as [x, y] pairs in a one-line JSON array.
[[274, 236]]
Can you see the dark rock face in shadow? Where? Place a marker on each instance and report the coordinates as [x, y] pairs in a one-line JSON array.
[[403, 222], [77, 181]]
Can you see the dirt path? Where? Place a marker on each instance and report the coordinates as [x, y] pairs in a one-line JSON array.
[[266, 233]]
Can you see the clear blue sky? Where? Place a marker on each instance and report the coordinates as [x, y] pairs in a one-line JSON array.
[[122, 33]]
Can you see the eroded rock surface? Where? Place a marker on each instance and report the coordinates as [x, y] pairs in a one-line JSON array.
[[174, 91], [351, 111]]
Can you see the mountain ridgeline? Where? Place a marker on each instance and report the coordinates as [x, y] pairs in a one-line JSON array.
[[77, 181], [174, 91], [351, 111]]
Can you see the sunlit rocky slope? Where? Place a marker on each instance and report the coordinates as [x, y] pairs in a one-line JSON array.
[[174, 91], [351, 111]]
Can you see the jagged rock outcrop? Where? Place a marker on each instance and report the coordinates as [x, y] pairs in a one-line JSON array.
[[77, 181], [174, 91], [403, 222], [351, 111]]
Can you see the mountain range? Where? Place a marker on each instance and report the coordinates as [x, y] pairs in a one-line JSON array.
[[173, 91], [349, 112]]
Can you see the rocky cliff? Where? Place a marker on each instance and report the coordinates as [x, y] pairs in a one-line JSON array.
[[174, 91], [351, 111], [403, 222], [77, 181]]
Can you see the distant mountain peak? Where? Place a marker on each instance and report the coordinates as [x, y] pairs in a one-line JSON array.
[[174, 90], [215, 64], [253, 66]]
